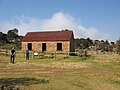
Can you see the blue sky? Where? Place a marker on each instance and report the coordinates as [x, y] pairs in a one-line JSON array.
[[97, 19]]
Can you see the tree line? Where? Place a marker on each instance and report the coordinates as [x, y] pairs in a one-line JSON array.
[[11, 38], [98, 45]]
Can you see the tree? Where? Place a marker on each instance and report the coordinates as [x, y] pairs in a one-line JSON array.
[[12, 34], [83, 43], [3, 38], [89, 42], [77, 43], [103, 45], [118, 46]]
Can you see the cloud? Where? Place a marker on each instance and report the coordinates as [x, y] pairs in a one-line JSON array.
[[58, 21]]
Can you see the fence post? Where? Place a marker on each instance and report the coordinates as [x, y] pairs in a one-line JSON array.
[[55, 55], [66, 55], [39, 55], [32, 55], [24, 53]]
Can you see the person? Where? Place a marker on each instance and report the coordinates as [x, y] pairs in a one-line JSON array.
[[12, 52], [27, 54]]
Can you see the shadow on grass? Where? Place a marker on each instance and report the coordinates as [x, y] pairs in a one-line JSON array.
[[25, 81]]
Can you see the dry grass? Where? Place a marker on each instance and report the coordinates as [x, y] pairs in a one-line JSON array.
[[100, 72]]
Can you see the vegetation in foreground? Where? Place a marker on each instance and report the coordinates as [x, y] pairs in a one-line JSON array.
[[101, 71]]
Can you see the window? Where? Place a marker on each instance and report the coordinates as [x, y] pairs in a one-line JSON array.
[[59, 46]]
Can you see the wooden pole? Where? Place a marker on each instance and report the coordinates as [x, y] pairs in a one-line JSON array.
[[32, 55], [55, 55], [24, 54]]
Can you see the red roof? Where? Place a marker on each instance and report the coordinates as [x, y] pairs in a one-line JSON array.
[[48, 36]]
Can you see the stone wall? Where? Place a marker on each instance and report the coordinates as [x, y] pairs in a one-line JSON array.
[[24, 45], [51, 46]]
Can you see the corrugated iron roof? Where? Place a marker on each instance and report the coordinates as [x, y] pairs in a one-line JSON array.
[[48, 36]]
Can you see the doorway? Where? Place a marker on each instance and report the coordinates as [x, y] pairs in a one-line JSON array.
[[43, 46], [29, 46], [59, 46]]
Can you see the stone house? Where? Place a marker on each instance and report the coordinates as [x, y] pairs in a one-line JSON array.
[[49, 41]]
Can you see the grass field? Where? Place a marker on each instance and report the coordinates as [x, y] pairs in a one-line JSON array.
[[98, 72]]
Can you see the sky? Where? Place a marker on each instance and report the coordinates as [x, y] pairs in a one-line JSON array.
[[96, 19]]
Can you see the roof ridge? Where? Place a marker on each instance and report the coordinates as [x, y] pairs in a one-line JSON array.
[[49, 31]]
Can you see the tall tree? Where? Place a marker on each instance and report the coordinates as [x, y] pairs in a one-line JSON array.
[[12, 33]]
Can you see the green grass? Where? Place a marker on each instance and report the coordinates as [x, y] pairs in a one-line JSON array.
[[94, 73]]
